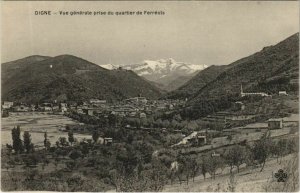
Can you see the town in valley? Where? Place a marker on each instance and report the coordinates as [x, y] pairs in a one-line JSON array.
[[102, 106]]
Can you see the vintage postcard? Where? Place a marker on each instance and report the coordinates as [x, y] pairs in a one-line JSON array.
[[150, 96]]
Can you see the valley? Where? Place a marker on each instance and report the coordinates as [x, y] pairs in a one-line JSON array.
[[71, 125]]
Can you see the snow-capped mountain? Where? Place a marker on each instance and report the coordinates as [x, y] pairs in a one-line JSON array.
[[162, 68], [163, 71], [109, 66]]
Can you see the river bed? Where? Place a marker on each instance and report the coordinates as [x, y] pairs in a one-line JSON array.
[[37, 124]]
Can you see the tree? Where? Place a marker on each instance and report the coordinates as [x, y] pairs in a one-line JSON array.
[[27, 141], [76, 182], [177, 117], [30, 182], [9, 149], [95, 136], [128, 159], [5, 113], [158, 123], [235, 156], [115, 179], [47, 143], [150, 177], [185, 167], [71, 137], [112, 120], [261, 149], [204, 166], [137, 123], [195, 168], [17, 142], [32, 159], [174, 123], [192, 125], [130, 138], [292, 145], [62, 141], [45, 139], [165, 123], [36, 106], [68, 128], [157, 176], [213, 163], [84, 148], [277, 149], [75, 154]]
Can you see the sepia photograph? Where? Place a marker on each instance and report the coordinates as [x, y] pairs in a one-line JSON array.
[[150, 96]]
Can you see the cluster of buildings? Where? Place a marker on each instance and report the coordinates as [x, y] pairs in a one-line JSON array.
[[243, 115], [22, 107], [138, 107], [196, 138], [262, 94]]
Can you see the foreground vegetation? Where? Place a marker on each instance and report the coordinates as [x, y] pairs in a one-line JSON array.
[[139, 161]]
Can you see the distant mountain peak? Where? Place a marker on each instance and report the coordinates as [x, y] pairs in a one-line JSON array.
[[109, 66], [161, 71], [156, 69]]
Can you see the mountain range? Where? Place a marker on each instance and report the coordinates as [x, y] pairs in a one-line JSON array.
[[67, 77], [272, 69], [192, 86], [168, 73]]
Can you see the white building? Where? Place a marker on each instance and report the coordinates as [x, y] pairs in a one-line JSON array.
[[7, 104], [243, 94], [97, 101], [282, 93]]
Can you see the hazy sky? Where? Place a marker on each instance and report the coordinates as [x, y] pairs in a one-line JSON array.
[[195, 31]]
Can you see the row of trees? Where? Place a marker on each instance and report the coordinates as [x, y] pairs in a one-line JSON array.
[[235, 156], [144, 177], [19, 146]]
